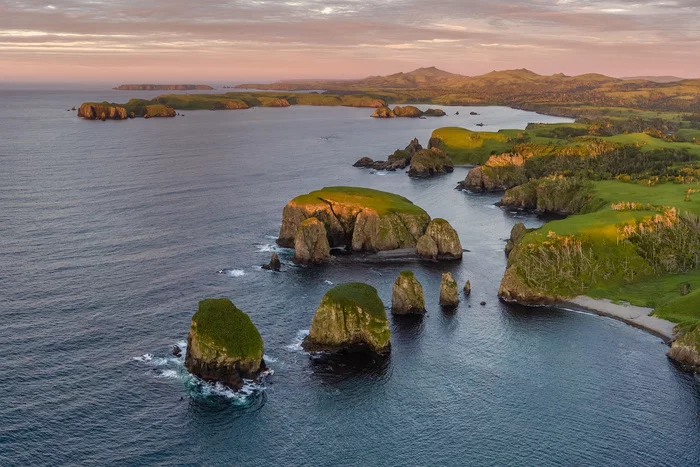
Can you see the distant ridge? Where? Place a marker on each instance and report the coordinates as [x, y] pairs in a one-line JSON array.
[[163, 87], [655, 79]]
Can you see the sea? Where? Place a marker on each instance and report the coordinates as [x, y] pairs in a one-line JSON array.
[[111, 232]]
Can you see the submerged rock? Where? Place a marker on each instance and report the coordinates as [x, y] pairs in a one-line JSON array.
[[311, 243], [430, 162], [448, 291], [223, 344], [351, 317], [407, 295], [177, 351], [274, 264]]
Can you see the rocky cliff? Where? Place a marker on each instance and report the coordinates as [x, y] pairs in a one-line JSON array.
[[101, 111], [351, 317], [223, 344], [360, 219], [407, 295]]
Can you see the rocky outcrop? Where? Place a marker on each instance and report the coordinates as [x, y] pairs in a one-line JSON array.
[[498, 174], [430, 162], [223, 344], [427, 248], [384, 112], [407, 295], [274, 264], [435, 113], [311, 243], [399, 160], [351, 317], [357, 218], [516, 234], [514, 289], [444, 238], [467, 288], [274, 102], [159, 110], [103, 111], [685, 350], [448, 291], [551, 195], [408, 111]]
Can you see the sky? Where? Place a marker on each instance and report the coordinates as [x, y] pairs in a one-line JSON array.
[[238, 41]]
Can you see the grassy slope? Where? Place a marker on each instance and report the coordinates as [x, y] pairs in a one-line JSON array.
[[659, 292], [381, 201], [475, 147]]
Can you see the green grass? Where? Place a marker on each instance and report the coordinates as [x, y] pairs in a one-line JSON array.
[[380, 201], [221, 327], [637, 284], [687, 135], [353, 294], [661, 293], [649, 143], [407, 273]]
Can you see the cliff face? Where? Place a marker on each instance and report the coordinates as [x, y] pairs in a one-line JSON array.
[[498, 174], [223, 344], [359, 218], [407, 295], [96, 111], [311, 243], [686, 348], [350, 317]]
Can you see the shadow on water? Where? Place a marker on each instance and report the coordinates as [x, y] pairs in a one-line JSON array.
[[336, 368]]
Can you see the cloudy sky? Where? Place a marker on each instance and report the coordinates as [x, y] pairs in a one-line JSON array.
[[235, 40]]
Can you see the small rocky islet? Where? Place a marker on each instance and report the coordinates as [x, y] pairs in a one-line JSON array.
[[362, 220], [407, 111], [223, 344], [422, 163], [350, 318]]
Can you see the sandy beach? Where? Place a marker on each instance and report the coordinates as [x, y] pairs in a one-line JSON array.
[[635, 315]]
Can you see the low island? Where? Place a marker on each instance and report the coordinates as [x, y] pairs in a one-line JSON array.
[[223, 344], [350, 318], [360, 220], [163, 87]]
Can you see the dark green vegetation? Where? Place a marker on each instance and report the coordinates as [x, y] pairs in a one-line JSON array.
[[221, 327], [354, 294], [380, 201]]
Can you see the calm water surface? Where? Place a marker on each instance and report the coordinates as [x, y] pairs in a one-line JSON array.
[[110, 233]]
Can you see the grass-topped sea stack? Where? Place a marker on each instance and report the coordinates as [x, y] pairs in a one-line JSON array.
[[350, 318], [223, 344], [359, 219], [407, 295]]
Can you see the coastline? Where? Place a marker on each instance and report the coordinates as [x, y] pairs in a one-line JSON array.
[[636, 316]]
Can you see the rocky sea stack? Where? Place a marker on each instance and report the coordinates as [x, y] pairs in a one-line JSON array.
[[407, 295], [449, 297], [359, 219], [311, 243], [429, 162], [440, 241], [350, 318], [223, 344]]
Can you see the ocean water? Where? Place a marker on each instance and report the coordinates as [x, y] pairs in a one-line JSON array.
[[110, 233]]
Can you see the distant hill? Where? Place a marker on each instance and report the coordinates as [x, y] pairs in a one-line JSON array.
[[654, 79], [163, 87], [557, 94]]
